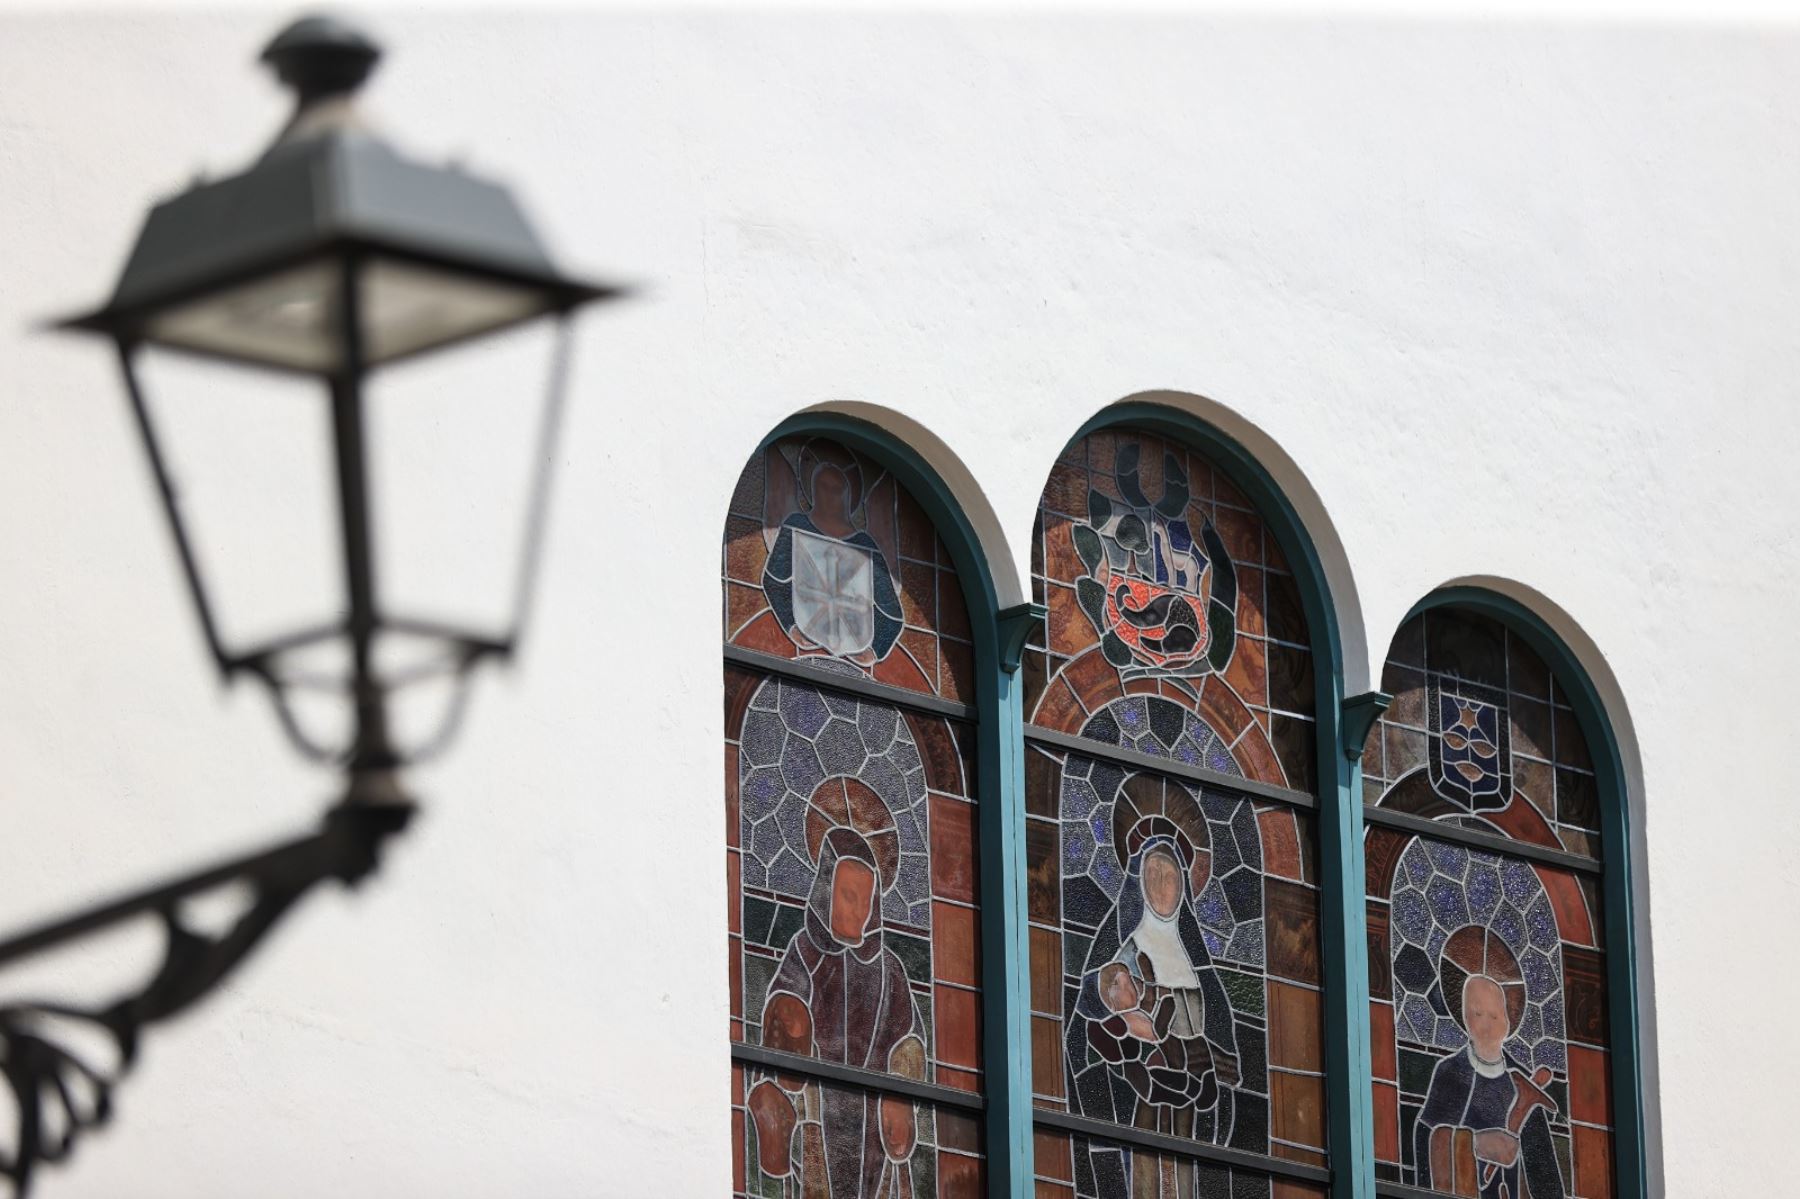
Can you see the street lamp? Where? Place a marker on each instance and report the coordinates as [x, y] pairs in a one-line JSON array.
[[331, 258]]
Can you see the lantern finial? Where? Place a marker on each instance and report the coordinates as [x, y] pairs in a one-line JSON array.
[[321, 56]]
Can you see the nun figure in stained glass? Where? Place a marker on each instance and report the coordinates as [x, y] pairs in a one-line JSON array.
[[828, 578], [859, 1012], [1484, 1131], [1152, 1043]]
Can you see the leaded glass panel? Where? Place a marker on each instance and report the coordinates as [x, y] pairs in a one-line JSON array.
[[1175, 973], [1162, 580], [1487, 972], [851, 840]]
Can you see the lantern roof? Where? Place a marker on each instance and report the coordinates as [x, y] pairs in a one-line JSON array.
[[329, 185]]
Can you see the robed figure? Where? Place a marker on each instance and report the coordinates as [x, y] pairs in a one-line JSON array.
[[841, 995], [1151, 1043], [1484, 1131]]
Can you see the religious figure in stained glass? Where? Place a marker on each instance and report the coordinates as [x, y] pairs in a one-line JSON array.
[[1484, 1130], [841, 952], [1161, 882], [852, 843], [1151, 1007], [841, 995], [1491, 1064], [1175, 967]]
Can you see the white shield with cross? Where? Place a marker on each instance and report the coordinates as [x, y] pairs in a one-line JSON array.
[[834, 593]]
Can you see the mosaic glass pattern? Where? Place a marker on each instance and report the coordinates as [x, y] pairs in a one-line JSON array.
[[852, 856], [1162, 580], [1480, 735], [828, 558], [1487, 976]]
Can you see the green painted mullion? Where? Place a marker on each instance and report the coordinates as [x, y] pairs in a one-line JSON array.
[[1005, 927], [1343, 933]]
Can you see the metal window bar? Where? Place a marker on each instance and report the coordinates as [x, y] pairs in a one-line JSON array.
[[1406, 822], [855, 686], [1161, 1143], [854, 1076], [1137, 760]]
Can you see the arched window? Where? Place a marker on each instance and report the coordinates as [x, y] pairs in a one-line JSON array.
[[1171, 787], [852, 836], [1485, 859]]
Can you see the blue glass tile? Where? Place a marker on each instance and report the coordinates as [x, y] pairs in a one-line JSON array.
[[802, 709]]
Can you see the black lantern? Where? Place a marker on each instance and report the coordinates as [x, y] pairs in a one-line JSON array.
[[331, 258]]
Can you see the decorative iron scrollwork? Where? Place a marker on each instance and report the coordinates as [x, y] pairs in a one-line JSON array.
[[60, 1093]]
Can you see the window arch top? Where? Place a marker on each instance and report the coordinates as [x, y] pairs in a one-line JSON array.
[[1163, 583], [828, 558], [1480, 735]]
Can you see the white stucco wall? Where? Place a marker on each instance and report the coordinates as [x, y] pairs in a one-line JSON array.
[[1516, 303]]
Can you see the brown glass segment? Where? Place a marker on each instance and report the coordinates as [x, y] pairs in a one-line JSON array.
[[794, 1136], [826, 556], [1161, 582], [1479, 736], [1482, 958]]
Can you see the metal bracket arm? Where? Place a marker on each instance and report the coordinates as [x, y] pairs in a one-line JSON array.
[[58, 1091]]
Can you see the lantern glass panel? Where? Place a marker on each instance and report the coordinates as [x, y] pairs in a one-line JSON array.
[[289, 319], [250, 457], [285, 319], [408, 308], [453, 439]]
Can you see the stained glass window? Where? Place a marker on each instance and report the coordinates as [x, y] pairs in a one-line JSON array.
[[1487, 976], [1173, 893], [852, 849]]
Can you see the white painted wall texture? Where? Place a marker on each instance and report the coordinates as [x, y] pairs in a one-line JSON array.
[[1515, 303]]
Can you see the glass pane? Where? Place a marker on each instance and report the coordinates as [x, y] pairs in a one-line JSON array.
[[250, 457], [1069, 1166], [1479, 735], [285, 319], [407, 307], [828, 558], [1162, 581], [793, 1137], [1174, 958], [1488, 1022], [453, 448], [290, 318], [855, 931]]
